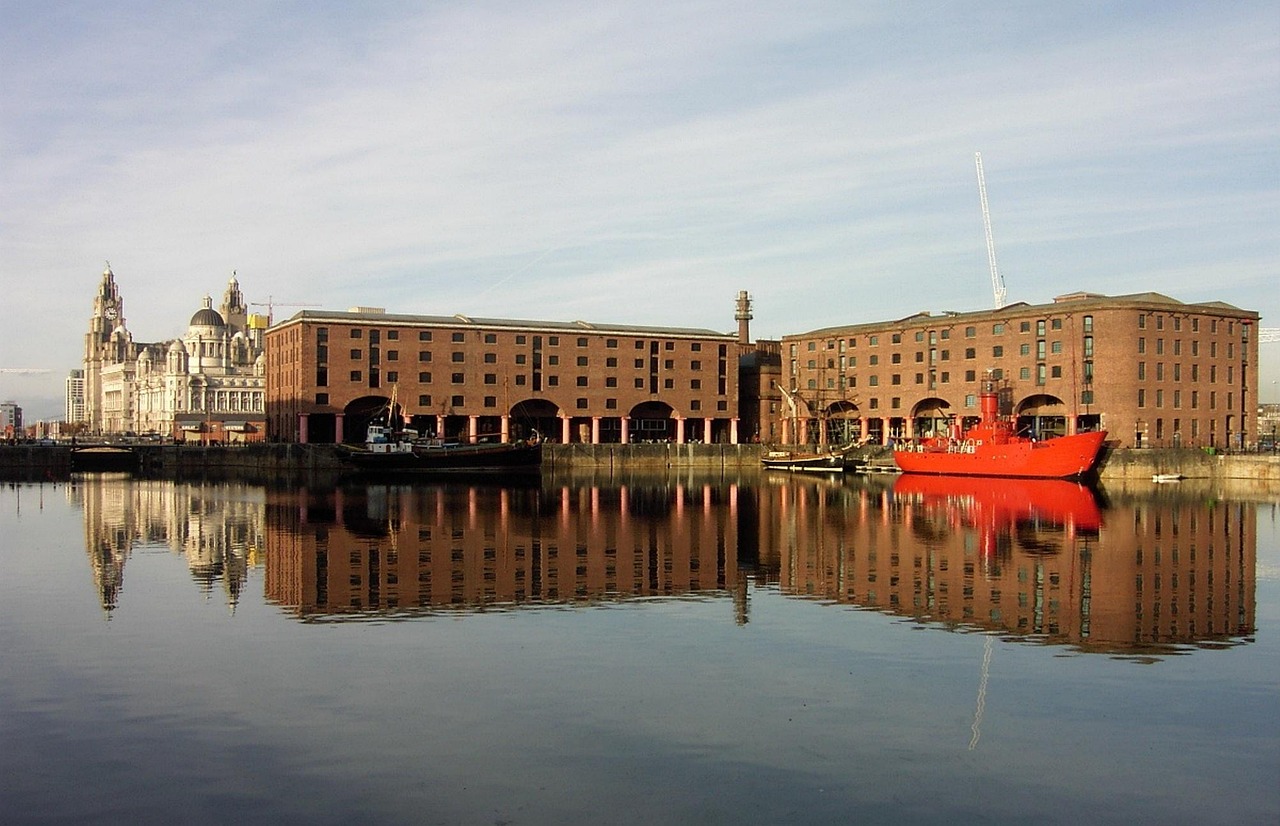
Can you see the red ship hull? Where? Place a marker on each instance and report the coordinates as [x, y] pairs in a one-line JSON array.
[[1061, 458]]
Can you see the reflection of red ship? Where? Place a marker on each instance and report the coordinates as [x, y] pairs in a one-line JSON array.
[[1006, 503], [992, 448]]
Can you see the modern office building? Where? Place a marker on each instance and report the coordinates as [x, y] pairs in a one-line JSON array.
[[74, 410], [10, 420], [329, 374], [1149, 369]]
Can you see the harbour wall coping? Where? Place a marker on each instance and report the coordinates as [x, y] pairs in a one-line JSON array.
[[273, 459]]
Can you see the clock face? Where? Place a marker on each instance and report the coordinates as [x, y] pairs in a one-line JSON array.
[[111, 312]]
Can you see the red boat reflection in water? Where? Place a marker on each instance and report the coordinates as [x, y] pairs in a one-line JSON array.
[[997, 506]]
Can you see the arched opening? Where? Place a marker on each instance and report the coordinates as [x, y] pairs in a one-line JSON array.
[[537, 415], [931, 417], [1042, 417], [360, 413], [652, 422], [844, 423]]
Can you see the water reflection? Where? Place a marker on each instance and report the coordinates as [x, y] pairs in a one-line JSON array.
[[217, 528], [405, 548], [1041, 561], [1036, 560]]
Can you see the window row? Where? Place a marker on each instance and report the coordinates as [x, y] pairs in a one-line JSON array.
[[458, 336], [1176, 397]]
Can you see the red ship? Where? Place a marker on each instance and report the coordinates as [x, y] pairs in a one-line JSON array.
[[993, 448]]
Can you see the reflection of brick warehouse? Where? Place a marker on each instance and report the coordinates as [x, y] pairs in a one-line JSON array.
[[432, 548], [1176, 571], [1155, 575], [329, 373]]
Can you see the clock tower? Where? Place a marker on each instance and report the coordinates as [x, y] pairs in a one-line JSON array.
[[100, 345]]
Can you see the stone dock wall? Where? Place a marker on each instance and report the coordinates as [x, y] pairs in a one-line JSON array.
[[288, 460]]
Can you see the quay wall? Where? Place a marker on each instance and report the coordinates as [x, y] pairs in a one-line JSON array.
[[1142, 464], [286, 460]]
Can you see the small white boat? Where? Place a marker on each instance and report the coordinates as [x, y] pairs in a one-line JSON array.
[[1167, 477]]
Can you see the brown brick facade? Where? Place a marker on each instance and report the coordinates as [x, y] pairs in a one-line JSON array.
[[1150, 370], [329, 373]]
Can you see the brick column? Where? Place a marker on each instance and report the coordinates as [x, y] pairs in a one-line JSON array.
[[473, 428], [337, 428], [626, 427], [564, 429], [679, 430], [595, 430]]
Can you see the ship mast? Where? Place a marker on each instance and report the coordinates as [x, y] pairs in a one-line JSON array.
[[997, 283]]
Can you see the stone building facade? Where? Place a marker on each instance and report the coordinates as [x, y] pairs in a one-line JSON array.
[[329, 374], [206, 386], [1150, 370]]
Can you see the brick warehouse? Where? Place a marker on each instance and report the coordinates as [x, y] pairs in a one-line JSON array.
[[330, 373], [1149, 369]]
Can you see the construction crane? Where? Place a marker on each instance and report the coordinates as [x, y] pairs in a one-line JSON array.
[[271, 304], [997, 283], [25, 371], [1268, 335]]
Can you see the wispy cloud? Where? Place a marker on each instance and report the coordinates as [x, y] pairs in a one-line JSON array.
[[628, 162]]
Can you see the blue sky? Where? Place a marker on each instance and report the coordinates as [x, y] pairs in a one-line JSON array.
[[627, 162]]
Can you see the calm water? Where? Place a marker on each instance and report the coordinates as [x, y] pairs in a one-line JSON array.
[[667, 650]]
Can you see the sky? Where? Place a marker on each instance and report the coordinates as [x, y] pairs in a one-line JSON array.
[[627, 162]]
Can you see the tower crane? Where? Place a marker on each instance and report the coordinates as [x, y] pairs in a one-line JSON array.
[[271, 304], [25, 371], [1268, 335], [997, 283]]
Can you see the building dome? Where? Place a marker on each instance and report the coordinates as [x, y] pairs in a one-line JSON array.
[[206, 316]]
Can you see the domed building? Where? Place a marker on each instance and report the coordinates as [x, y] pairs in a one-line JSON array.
[[207, 386]]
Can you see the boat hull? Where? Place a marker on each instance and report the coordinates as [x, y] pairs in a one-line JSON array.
[[802, 462], [505, 458], [1061, 458]]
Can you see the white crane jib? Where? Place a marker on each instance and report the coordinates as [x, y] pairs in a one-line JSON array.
[[997, 283], [271, 305]]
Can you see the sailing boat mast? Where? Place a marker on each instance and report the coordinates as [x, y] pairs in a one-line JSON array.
[[795, 416]]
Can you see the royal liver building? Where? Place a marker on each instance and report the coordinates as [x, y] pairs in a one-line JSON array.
[[206, 386]]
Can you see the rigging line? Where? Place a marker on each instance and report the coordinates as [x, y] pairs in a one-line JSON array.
[[982, 693], [517, 271]]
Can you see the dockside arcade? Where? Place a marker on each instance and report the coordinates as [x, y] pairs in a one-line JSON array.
[[329, 374]]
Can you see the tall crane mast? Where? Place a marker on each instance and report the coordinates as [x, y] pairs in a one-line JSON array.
[[997, 283]]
